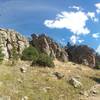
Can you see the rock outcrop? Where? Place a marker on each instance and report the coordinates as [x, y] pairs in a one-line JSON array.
[[46, 45], [9, 40], [81, 54]]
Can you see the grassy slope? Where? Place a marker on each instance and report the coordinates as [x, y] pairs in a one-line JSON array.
[[39, 83]]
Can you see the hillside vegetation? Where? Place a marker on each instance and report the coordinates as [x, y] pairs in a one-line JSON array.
[[25, 82], [41, 69]]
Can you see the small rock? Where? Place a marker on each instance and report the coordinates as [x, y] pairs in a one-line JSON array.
[[58, 75], [77, 77], [75, 82], [93, 92], [85, 93], [24, 98], [46, 89], [23, 69], [19, 80], [1, 83]]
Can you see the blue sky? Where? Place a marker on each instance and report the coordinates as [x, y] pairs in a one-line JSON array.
[[77, 21]]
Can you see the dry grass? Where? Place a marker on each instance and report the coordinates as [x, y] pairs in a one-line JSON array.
[[40, 84]]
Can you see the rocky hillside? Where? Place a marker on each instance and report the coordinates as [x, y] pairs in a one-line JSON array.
[[9, 40], [35, 80], [46, 45], [81, 54]]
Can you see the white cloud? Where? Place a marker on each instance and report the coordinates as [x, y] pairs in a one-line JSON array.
[[73, 39], [96, 20], [98, 11], [91, 15], [97, 5], [74, 21], [96, 35], [75, 7], [80, 40], [98, 49]]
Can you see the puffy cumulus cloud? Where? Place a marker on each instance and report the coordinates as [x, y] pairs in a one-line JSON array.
[[98, 49], [96, 35], [74, 21], [97, 5]]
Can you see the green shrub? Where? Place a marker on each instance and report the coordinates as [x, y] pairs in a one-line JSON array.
[[30, 54], [14, 56], [1, 55], [44, 60], [97, 65]]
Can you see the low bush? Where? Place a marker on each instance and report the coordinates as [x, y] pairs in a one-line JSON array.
[[97, 61], [97, 65], [44, 60], [30, 54]]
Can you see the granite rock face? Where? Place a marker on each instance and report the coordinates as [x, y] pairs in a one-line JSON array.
[[47, 45], [9, 40]]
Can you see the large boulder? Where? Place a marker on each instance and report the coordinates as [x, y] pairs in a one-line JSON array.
[[46, 45], [9, 40]]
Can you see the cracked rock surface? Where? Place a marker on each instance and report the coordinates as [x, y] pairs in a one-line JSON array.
[[9, 40]]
